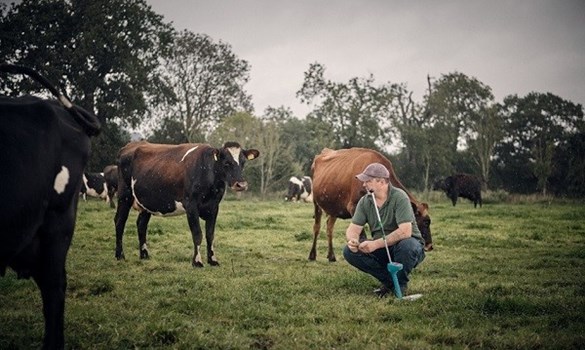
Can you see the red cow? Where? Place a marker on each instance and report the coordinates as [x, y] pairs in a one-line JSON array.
[[177, 179], [336, 191]]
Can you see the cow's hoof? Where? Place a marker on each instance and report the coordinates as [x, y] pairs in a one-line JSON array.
[[428, 247], [144, 254], [213, 263], [312, 256], [332, 258], [197, 264], [120, 256]]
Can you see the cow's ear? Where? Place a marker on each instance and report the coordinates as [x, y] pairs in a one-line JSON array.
[[252, 154]]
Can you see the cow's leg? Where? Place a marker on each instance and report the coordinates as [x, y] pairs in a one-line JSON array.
[[195, 227], [316, 228], [125, 199], [142, 225], [209, 236], [330, 225], [111, 193], [50, 275]]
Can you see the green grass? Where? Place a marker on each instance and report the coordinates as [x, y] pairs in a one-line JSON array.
[[501, 277]]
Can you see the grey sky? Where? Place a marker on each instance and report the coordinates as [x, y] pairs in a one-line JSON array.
[[514, 46]]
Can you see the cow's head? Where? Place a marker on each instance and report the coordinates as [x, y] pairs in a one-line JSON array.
[[230, 162], [423, 221]]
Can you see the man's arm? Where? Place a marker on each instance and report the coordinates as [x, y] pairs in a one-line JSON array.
[[403, 231]]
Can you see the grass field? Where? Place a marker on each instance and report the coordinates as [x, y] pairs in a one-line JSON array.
[[506, 276]]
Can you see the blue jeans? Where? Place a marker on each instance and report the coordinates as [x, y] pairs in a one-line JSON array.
[[409, 252]]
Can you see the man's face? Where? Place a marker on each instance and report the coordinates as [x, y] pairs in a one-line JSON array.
[[372, 185]]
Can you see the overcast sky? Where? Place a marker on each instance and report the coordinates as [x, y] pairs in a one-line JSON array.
[[514, 46]]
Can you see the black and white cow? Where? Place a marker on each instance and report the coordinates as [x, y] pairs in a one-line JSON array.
[[300, 189], [111, 177], [177, 179], [44, 148], [94, 185]]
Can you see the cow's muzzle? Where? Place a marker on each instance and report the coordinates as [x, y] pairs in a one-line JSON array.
[[240, 186]]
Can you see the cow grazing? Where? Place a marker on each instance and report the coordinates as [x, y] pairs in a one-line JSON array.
[[300, 189], [336, 191], [177, 179], [461, 185], [111, 177], [44, 148], [94, 185]]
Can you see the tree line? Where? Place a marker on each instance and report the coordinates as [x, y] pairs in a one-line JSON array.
[[121, 60]]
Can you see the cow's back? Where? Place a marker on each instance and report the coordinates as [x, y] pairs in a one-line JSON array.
[[335, 187]]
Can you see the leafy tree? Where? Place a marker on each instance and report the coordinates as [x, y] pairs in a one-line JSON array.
[[465, 108], [537, 126], [170, 131], [102, 52], [108, 142], [424, 153], [356, 111], [306, 137], [207, 82], [568, 177]]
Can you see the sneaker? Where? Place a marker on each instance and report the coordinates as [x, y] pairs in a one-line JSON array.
[[383, 291]]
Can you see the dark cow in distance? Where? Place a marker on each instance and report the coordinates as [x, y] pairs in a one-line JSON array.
[[94, 185], [461, 185], [300, 189], [336, 191], [44, 148], [176, 179], [111, 177]]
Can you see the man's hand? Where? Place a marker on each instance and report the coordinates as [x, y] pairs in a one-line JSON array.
[[370, 246], [353, 245]]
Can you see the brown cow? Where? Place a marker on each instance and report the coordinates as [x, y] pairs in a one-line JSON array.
[[336, 191], [170, 180]]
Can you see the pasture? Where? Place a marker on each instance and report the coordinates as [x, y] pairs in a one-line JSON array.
[[508, 275]]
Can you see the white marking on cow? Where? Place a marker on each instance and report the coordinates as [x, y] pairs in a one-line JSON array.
[[213, 258], [198, 255], [187, 153], [61, 180], [144, 247], [235, 152], [179, 208], [295, 180]]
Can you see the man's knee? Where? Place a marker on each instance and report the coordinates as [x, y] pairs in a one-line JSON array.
[[409, 252]]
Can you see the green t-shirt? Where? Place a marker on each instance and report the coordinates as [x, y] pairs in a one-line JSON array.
[[395, 210]]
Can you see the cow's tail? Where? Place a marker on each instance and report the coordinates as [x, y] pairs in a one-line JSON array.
[[89, 122]]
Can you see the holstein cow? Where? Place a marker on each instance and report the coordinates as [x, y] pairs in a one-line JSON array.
[[336, 191], [111, 177], [176, 179], [300, 189], [461, 185], [94, 185], [44, 147]]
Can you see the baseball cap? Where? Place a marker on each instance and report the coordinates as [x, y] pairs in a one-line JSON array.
[[373, 170]]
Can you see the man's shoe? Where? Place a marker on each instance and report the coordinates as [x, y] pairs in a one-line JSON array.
[[383, 291]]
